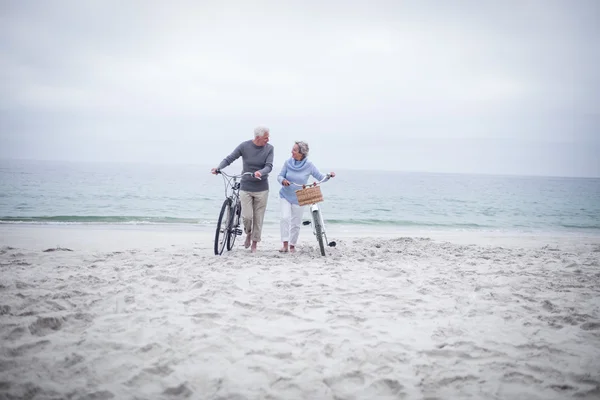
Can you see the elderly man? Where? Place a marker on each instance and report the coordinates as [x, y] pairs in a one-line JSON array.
[[257, 157]]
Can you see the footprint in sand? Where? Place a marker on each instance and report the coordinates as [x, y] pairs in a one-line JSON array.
[[28, 390], [548, 306], [45, 325], [16, 333], [72, 360], [20, 351], [590, 326], [160, 370], [386, 388], [165, 278], [7, 365], [99, 395], [178, 391], [346, 381]]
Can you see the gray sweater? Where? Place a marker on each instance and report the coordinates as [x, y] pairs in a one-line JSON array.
[[254, 158]]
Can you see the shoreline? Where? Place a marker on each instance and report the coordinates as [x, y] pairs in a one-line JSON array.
[[124, 236]]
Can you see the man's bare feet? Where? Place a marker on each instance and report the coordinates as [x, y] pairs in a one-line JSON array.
[[284, 249], [247, 242], [253, 248], [292, 249]]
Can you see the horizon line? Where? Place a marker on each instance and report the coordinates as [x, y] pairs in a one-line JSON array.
[[406, 171]]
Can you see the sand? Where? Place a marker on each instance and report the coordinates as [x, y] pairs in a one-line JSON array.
[[151, 313]]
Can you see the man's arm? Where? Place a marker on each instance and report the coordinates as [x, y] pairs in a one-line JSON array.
[[268, 164], [235, 154]]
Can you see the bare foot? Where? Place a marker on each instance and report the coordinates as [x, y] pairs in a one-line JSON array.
[[284, 249], [247, 242], [253, 248], [292, 249]]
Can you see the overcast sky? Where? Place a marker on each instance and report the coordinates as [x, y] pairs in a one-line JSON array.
[[510, 87]]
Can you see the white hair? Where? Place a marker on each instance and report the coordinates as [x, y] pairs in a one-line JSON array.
[[260, 131], [303, 148]]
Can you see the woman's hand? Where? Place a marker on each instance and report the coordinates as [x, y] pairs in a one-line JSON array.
[[285, 182], [332, 174]]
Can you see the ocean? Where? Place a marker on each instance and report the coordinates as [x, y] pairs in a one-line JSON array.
[[48, 192]]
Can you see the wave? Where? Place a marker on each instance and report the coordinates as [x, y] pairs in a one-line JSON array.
[[95, 219], [395, 222], [122, 219], [576, 226], [161, 220]]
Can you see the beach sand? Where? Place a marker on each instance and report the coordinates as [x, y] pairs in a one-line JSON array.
[[150, 312]]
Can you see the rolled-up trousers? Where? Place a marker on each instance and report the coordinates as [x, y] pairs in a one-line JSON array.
[[254, 205], [291, 218]]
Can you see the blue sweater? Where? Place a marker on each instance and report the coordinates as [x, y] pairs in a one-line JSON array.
[[297, 172]]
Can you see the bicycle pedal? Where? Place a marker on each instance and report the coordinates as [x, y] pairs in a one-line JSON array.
[[238, 232], [306, 223]]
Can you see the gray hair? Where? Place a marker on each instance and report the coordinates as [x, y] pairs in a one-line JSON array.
[[260, 131], [303, 149]]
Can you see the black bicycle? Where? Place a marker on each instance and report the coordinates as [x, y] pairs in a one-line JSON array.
[[228, 224]]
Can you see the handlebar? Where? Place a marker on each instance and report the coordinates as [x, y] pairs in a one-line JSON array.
[[236, 176], [312, 184]]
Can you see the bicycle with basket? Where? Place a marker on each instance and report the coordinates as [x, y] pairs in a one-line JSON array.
[[311, 195]]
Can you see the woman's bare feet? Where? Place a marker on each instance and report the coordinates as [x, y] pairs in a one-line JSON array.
[[284, 249], [292, 249]]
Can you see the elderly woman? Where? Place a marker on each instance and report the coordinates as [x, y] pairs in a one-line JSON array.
[[297, 169]]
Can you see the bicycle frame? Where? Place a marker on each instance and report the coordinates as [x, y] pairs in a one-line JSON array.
[[235, 200], [315, 207]]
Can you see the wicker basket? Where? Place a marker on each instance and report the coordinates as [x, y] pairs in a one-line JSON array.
[[309, 195]]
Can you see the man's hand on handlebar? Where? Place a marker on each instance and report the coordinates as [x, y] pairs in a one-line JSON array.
[[216, 171]]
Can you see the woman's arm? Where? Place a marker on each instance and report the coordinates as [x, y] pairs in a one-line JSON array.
[[318, 175], [282, 173]]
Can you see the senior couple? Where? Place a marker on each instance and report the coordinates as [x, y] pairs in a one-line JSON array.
[[257, 157]]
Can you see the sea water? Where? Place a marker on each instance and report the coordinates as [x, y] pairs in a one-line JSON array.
[[48, 192]]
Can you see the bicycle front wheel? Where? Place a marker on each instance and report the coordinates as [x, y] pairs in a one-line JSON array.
[[319, 230], [233, 228], [223, 223]]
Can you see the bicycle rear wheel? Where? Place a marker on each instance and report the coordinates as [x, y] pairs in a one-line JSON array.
[[319, 230], [235, 216], [223, 223]]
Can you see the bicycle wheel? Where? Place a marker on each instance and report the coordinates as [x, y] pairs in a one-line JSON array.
[[236, 215], [222, 231], [319, 230]]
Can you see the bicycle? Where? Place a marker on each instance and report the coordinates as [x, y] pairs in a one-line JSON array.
[[311, 195], [228, 229]]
